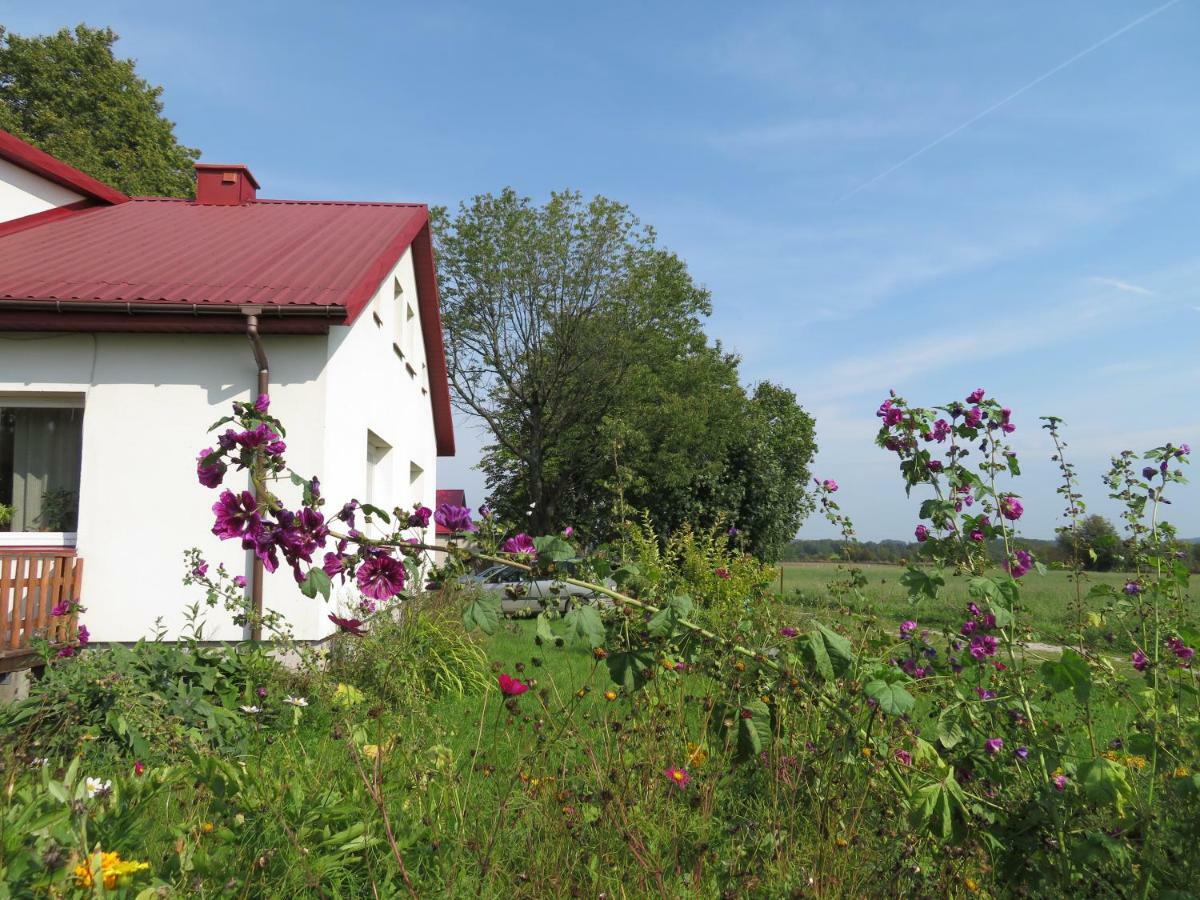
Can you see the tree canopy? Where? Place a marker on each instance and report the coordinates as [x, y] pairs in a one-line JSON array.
[[66, 93], [579, 343]]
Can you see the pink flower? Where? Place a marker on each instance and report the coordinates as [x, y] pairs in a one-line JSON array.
[[904, 757], [239, 580], [1060, 782], [788, 631], [510, 686], [993, 745], [976, 535], [1011, 508], [722, 572], [520, 545], [568, 531], [139, 767], [350, 626], [1139, 660], [975, 396], [830, 485], [922, 534], [907, 627], [974, 417], [381, 577], [678, 777], [262, 404]]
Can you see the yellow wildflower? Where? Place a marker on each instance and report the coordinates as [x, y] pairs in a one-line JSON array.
[[113, 870], [842, 842], [867, 751], [697, 755], [207, 827], [1135, 762], [610, 695], [971, 884], [1182, 772]]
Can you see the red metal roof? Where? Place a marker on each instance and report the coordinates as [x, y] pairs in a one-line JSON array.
[[453, 496], [268, 252]]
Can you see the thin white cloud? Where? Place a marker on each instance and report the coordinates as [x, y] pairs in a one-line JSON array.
[[1126, 286]]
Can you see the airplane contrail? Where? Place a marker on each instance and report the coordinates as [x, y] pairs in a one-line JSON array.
[[1013, 96]]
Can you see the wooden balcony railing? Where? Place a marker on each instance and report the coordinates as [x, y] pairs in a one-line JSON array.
[[32, 583]]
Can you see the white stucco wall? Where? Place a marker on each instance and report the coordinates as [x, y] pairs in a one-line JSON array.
[[22, 193], [148, 402]]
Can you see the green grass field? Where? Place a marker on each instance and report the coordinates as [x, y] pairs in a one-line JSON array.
[[1048, 599]]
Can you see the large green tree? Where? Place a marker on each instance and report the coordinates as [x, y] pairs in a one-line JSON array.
[[580, 345], [67, 94]]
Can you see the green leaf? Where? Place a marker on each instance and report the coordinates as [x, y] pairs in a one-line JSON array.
[[371, 510], [586, 623], [754, 731], [949, 729], [316, 582], [483, 612], [893, 699], [1106, 783], [544, 632], [814, 647], [920, 583], [625, 573], [1003, 614], [553, 548], [1068, 672], [841, 654], [628, 668], [983, 588]]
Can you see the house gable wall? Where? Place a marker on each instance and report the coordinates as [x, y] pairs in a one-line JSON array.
[[22, 193]]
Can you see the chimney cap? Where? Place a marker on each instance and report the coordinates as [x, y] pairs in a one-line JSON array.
[[242, 168]]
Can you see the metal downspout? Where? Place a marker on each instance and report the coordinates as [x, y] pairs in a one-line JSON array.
[[264, 383]]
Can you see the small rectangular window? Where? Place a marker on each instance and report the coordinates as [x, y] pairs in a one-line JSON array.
[[379, 474], [41, 452]]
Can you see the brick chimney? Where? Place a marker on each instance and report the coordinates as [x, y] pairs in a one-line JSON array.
[[224, 185]]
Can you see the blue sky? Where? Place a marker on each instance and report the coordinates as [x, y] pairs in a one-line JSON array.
[[810, 163]]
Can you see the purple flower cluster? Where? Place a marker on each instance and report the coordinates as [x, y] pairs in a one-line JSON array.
[[1182, 651], [296, 535], [1020, 564], [983, 645], [1011, 508], [419, 518]]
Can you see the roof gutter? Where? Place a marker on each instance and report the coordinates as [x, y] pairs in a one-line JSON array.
[[196, 309]]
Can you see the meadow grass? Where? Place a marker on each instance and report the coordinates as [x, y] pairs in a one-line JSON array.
[[1048, 600]]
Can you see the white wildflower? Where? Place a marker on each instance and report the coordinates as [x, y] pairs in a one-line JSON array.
[[96, 786], [295, 701], [252, 710]]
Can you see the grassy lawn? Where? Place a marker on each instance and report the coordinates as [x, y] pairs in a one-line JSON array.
[[1047, 598]]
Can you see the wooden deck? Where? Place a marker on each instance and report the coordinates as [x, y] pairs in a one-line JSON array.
[[32, 583]]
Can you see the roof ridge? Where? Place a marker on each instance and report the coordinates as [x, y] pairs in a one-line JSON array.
[[399, 204]]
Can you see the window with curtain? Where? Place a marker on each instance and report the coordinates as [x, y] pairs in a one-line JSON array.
[[41, 450]]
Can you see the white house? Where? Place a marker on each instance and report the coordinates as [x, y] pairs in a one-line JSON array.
[[129, 324]]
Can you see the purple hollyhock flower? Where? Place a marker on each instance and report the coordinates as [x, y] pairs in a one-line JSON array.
[[974, 417], [1149, 472], [1021, 753], [922, 534], [732, 532], [985, 694], [903, 757], [259, 436], [989, 621], [976, 535], [1132, 588], [420, 517], [1060, 782], [934, 465], [1020, 564], [381, 577], [969, 626], [485, 512], [907, 627], [993, 745], [334, 564], [1183, 451], [975, 396], [212, 474], [520, 544], [62, 608], [201, 569], [830, 485], [350, 626], [568, 531], [84, 637], [1181, 650], [454, 518], [227, 441], [788, 631], [239, 580], [1139, 660], [983, 646], [262, 404], [237, 515], [1011, 508]]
